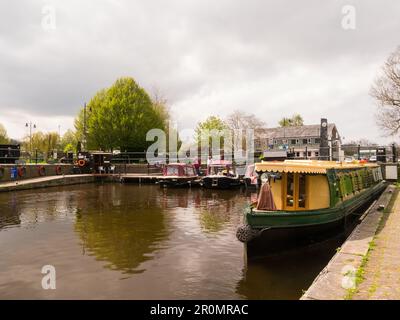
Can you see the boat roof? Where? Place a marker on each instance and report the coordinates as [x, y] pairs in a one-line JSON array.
[[180, 164], [220, 163], [308, 166]]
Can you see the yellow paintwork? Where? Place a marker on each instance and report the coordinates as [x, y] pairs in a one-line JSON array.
[[317, 192], [308, 166], [276, 188]]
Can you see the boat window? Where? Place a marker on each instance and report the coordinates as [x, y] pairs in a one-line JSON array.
[[356, 185], [172, 171], [290, 190], [302, 191], [215, 170], [375, 173]]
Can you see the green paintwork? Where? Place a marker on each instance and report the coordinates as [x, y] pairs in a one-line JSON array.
[[338, 184]]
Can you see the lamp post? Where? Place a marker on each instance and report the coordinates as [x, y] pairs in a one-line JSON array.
[[86, 111], [84, 126], [29, 125]]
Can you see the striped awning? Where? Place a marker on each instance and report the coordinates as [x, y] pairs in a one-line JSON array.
[[305, 166]]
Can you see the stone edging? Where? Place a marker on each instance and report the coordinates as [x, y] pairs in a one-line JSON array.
[[43, 182], [329, 283]]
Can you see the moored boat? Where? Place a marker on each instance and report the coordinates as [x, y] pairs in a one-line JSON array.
[[251, 177], [179, 175], [221, 174], [305, 198]]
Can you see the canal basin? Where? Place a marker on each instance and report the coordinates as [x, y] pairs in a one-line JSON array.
[[114, 241]]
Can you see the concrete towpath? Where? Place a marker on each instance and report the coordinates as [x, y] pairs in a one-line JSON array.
[[343, 277], [48, 181], [380, 276]]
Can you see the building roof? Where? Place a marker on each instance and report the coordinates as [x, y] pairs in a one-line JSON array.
[[308, 166], [312, 130]]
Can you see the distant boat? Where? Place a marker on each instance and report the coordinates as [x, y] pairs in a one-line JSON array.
[[251, 177], [179, 175], [221, 174], [306, 197]]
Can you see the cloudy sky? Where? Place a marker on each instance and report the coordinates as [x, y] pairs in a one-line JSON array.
[[270, 58]]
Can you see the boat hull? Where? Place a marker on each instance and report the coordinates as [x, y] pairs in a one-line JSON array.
[[180, 182], [271, 229], [249, 185], [221, 182]]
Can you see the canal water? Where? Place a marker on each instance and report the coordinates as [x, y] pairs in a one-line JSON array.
[[113, 241]]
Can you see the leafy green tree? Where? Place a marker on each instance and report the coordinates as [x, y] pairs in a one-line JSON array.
[[69, 141], [119, 117], [204, 130], [69, 148], [3, 135], [294, 121], [211, 123], [42, 142]]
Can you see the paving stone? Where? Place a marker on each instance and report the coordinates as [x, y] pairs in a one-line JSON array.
[[379, 283], [382, 271]]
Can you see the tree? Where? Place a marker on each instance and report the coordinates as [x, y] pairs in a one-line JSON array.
[[119, 117], [3, 135], [241, 120], [42, 142], [386, 91], [69, 141], [211, 123], [294, 121], [160, 105], [238, 122], [362, 142], [203, 132]]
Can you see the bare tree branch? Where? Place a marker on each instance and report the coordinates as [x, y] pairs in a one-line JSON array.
[[386, 91]]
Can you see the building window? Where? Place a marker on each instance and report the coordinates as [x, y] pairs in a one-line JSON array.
[[309, 140], [297, 141], [304, 141], [297, 154], [309, 153], [293, 141], [316, 153], [317, 140]]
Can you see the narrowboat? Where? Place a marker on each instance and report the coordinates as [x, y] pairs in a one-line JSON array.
[[251, 177], [221, 174], [306, 198], [179, 175]]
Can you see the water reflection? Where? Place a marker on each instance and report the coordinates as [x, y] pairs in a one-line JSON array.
[[9, 215], [165, 243], [285, 275], [123, 229]]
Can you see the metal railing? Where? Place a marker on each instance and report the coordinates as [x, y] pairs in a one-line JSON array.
[[343, 153]]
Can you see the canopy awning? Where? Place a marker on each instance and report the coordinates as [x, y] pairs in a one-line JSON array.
[[306, 166]]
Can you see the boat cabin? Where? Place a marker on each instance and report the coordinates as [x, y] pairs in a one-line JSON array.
[[298, 185], [179, 170], [102, 162], [221, 168]]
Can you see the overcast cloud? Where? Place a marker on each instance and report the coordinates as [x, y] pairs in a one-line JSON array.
[[270, 58]]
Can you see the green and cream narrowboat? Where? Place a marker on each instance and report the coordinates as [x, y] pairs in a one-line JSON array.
[[308, 196]]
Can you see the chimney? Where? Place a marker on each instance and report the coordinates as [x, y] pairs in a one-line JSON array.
[[324, 146]]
